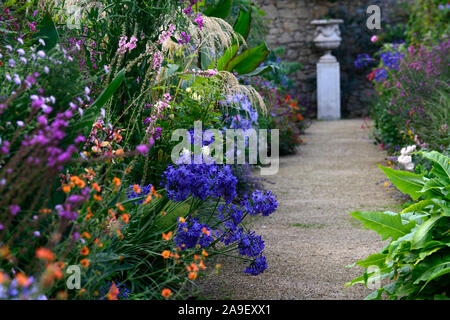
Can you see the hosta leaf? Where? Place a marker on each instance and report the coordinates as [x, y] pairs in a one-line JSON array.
[[249, 60], [386, 224], [407, 182], [423, 233]]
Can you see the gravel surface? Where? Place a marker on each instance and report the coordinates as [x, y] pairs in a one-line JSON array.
[[312, 237]]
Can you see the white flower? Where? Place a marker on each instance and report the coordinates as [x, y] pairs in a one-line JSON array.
[[409, 166], [46, 70], [21, 51], [206, 151], [188, 90], [20, 123], [404, 159]]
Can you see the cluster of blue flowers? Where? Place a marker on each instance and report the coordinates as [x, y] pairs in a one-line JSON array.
[[16, 292], [260, 203], [192, 233], [391, 59], [362, 61], [257, 266], [200, 181], [380, 74], [251, 245], [145, 190], [246, 116], [124, 292]]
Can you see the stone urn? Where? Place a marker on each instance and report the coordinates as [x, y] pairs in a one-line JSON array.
[[328, 37]]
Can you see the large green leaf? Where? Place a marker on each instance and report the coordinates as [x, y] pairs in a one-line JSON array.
[[224, 60], [243, 22], [441, 166], [249, 60], [89, 116], [436, 268], [48, 32], [377, 259], [419, 206], [386, 224], [221, 9], [259, 71], [407, 182], [423, 233]]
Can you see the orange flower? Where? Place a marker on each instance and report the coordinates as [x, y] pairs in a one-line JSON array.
[[120, 207], [192, 276], [45, 211], [86, 235], [97, 197], [97, 242], [90, 214], [165, 254], [45, 254], [3, 277], [125, 217], [60, 264], [194, 267], [84, 251], [167, 236], [66, 188], [96, 187], [113, 292], [82, 291], [136, 188], [119, 152], [205, 231], [148, 199], [22, 280], [202, 265], [181, 220], [204, 253], [80, 183], [84, 262], [116, 182], [166, 293]]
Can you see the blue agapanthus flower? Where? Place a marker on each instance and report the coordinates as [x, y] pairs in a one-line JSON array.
[[245, 117], [124, 292], [362, 60], [250, 245], [260, 203], [192, 233], [380, 75], [231, 216], [257, 266], [391, 59], [200, 181]]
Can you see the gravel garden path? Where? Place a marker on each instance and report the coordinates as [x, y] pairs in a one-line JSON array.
[[312, 237]]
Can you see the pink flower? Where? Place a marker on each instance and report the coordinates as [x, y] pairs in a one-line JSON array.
[[14, 209], [374, 39], [143, 149]]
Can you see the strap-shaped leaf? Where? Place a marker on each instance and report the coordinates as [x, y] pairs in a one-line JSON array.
[[243, 22], [377, 259], [386, 224], [249, 60], [423, 233], [220, 10], [407, 182]]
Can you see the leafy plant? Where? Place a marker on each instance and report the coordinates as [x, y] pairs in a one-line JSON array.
[[416, 262]]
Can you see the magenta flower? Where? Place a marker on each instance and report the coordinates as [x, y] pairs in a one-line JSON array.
[[143, 149], [14, 209]]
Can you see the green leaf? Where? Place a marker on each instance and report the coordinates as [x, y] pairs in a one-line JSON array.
[[436, 268], [423, 233], [441, 166], [406, 182], [93, 111], [48, 32], [259, 71], [220, 10], [243, 22], [386, 224], [225, 59], [419, 206], [249, 60], [377, 259]]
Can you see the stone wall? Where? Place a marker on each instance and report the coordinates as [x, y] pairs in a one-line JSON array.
[[290, 28]]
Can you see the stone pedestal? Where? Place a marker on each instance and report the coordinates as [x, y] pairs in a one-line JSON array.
[[328, 89], [328, 37]]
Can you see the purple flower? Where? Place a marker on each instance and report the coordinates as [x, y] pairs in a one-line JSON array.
[[257, 266], [143, 149], [14, 209]]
